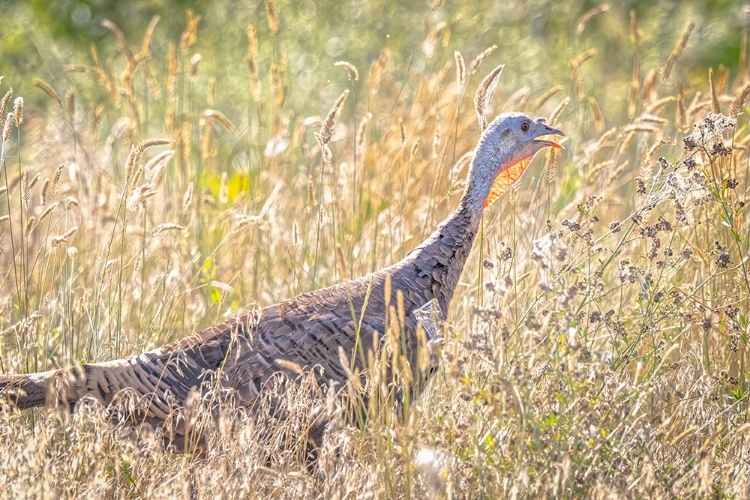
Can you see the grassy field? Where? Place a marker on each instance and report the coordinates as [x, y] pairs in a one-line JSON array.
[[168, 176]]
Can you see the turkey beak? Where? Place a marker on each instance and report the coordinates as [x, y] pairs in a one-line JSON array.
[[547, 130]]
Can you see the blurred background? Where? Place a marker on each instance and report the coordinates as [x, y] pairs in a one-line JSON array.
[[535, 39], [598, 335]]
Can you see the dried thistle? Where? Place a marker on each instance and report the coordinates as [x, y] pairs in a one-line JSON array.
[[326, 130], [484, 94], [460, 71], [351, 70], [678, 50]]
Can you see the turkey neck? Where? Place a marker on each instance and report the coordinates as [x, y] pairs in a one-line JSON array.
[[435, 266]]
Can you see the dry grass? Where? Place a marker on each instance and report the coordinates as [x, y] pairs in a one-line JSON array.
[[597, 344]]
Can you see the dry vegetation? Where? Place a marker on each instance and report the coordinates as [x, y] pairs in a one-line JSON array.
[[597, 344]]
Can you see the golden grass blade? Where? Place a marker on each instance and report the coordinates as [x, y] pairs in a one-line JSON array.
[[588, 16], [351, 70], [715, 106], [474, 65], [484, 94], [678, 50], [740, 100], [460, 71], [326, 130]]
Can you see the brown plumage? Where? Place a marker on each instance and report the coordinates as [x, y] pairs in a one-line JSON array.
[[309, 330]]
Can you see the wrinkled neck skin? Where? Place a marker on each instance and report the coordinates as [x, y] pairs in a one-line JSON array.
[[438, 262]]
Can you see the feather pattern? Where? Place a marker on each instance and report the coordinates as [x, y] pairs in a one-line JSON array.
[[305, 332]]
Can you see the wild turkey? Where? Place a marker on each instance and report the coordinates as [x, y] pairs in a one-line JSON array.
[[309, 330]]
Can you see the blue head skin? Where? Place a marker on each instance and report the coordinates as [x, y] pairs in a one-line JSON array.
[[510, 139]]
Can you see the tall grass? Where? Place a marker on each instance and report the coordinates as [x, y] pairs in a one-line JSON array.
[[597, 343]]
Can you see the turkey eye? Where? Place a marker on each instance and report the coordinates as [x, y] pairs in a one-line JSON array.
[[525, 126]]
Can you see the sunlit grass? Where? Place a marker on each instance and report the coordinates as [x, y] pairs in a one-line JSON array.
[[596, 345]]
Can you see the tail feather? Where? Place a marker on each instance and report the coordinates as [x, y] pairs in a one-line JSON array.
[[26, 391], [162, 378]]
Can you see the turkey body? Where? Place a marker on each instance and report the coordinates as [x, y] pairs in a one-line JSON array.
[[296, 335], [316, 332]]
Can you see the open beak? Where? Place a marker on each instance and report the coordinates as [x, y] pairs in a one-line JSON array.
[[547, 130]]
